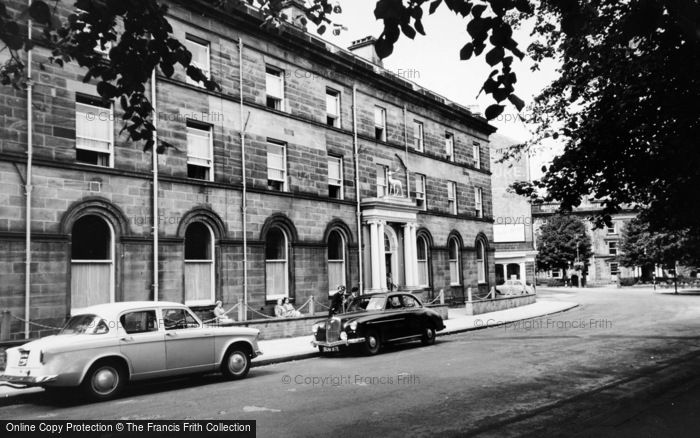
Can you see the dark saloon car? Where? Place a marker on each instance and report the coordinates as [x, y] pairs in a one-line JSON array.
[[377, 319]]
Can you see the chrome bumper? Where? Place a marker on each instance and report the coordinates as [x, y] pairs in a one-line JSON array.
[[25, 381], [338, 343]]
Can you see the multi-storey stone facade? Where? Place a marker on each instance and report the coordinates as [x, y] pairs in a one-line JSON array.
[[514, 240], [604, 266], [311, 164]]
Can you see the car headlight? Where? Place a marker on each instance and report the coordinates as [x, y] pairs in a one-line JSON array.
[[353, 325], [314, 328], [343, 336]]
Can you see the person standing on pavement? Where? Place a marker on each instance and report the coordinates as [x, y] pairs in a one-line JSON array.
[[337, 301]]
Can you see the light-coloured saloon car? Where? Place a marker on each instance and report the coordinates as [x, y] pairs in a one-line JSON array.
[[106, 346], [515, 287]]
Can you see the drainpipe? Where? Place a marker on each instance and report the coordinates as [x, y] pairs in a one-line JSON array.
[[244, 199], [28, 188], [156, 217], [405, 144], [358, 213]]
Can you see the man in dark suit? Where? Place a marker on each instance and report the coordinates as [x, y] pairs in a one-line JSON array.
[[337, 302]]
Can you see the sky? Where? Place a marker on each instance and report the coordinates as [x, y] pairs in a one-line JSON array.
[[432, 61]]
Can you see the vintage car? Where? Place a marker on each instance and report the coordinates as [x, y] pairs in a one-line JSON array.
[[373, 320], [514, 287], [108, 345]]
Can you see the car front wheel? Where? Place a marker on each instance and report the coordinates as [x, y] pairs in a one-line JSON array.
[[236, 364], [372, 343], [104, 381], [428, 337]]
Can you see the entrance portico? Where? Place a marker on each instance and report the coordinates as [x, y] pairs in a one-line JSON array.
[[391, 257]]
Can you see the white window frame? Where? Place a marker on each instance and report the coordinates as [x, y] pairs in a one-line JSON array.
[[197, 161], [272, 74], [476, 152], [98, 112], [422, 241], [456, 262], [450, 146], [285, 178], [333, 94], [481, 263], [190, 42], [420, 182], [381, 111], [382, 189], [332, 287], [418, 135], [479, 202], [452, 196], [614, 249], [613, 229], [617, 268], [286, 270], [212, 264], [338, 182]]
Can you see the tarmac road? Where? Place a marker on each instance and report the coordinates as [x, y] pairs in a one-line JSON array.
[[598, 369]]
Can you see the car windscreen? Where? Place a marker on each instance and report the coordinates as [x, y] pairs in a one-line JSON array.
[[85, 325], [367, 303]]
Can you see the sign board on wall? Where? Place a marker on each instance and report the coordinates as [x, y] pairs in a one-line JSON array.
[[509, 233]]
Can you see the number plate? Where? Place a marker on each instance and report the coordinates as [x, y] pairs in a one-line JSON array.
[[331, 349], [23, 356]]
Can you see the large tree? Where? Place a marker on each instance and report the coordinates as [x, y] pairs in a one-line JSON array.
[[641, 246], [562, 241]]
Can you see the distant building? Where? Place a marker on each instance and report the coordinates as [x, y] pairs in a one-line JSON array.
[[603, 266], [513, 237]]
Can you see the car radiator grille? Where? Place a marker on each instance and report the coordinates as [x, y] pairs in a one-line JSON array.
[[333, 330]]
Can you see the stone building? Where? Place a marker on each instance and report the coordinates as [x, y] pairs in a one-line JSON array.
[[513, 237], [313, 167], [603, 266]]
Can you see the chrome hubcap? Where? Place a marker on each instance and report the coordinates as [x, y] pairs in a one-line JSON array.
[[237, 363], [372, 341], [429, 333], [105, 380]]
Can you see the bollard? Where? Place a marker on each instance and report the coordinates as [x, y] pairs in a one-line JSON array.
[[241, 311], [5, 325], [442, 297], [492, 293], [469, 294], [312, 305]]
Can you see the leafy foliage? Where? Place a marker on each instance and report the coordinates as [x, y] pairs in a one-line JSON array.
[[558, 241], [625, 106], [642, 247]]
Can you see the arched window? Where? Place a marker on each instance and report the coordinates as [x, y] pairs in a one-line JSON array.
[[453, 249], [199, 264], [92, 262], [336, 261], [480, 262], [422, 250], [276, 264]]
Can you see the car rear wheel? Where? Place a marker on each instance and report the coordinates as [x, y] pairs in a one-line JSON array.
[[104, 380], [236, 364], [372, 343], [428, 337]]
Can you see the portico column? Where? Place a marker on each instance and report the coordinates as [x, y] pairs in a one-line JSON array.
[[374, 254], [523, 277], [414, 255], [382, 256], [408, 255]]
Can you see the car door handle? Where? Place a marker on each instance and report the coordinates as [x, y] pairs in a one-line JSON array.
[[206, 334], [127, 338], [171, 334]]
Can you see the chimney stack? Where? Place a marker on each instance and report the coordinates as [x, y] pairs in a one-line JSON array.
[[295, 10], [364, 48]]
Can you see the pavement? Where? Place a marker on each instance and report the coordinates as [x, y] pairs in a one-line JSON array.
[[297, 348]]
